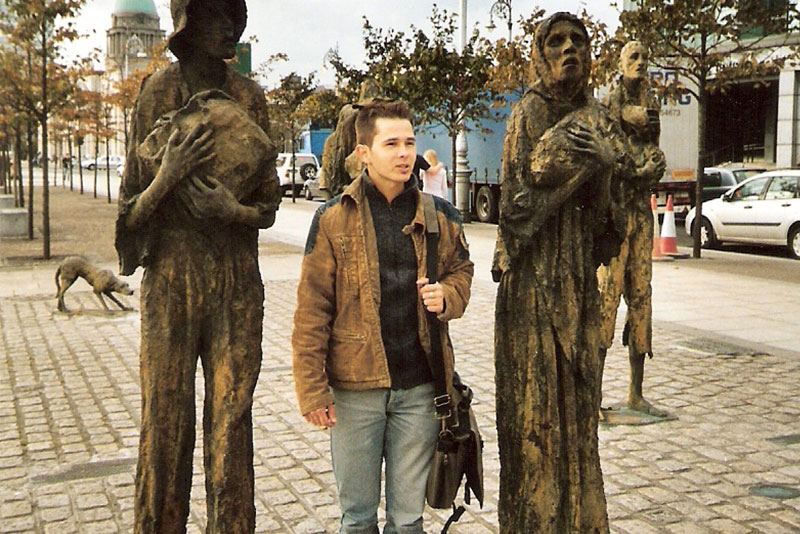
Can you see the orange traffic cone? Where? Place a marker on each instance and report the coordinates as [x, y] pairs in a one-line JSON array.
[[656, 255], [669, 238]]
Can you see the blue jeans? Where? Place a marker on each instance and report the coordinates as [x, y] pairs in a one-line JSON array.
[[398, 426]]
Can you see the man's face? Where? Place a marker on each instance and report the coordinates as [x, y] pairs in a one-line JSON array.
[[211, 30], [634, 63], [565, 50], [390, 158]]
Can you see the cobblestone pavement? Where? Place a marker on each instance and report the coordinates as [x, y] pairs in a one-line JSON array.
[[69, 414]]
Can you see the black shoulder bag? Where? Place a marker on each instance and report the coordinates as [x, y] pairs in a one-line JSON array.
[[458, 454]]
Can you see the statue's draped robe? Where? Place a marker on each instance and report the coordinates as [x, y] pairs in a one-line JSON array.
[[556, 225]]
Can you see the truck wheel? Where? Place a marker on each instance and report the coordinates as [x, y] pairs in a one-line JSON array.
[[794, 242], [486, 205], [708, 239]]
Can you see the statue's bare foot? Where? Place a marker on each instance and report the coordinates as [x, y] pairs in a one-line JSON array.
[[640, 404]]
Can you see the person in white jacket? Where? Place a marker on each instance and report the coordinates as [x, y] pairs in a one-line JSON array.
[[434, 180]]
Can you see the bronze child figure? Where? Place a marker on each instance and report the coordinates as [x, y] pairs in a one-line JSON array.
[[196, 190]]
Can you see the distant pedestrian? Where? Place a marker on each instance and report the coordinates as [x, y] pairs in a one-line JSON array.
[[434, 178], [420, 164]]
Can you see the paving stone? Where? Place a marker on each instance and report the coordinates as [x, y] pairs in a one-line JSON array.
[[688, 476], [15, 509]]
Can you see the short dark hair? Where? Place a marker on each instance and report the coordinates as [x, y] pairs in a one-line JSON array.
[[367, 114]]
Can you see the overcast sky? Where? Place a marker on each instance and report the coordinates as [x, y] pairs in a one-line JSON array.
[[306, 29]]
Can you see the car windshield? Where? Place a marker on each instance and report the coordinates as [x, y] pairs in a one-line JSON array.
[[744, 174]]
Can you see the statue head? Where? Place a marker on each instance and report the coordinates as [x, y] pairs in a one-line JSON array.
[[562, 55], [207, 27], [634, 60], [369, 90]]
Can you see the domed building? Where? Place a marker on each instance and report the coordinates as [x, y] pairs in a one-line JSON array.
[[134, 32]]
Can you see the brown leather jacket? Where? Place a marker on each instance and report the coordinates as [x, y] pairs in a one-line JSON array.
[[337, 333]]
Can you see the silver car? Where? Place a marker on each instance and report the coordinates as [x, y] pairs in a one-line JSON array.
[[763, 210]]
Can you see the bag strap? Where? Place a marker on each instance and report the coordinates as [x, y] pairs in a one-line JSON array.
[[441, 399]]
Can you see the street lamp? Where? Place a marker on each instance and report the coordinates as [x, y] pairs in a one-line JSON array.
[[462, 170], [502, 9]]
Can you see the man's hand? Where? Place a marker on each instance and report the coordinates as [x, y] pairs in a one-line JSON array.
[[182, 157], [323, 418], [208, 198], [432, 295]]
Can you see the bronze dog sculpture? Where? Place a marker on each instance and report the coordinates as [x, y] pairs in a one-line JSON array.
[[103, 281]]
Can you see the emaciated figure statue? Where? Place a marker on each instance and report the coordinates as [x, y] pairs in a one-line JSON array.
[[562, 157], [340, 165], [635, 107], [199, 182]]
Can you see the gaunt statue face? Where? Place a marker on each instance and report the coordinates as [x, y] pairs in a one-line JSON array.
[[634, 61], [211, 29], [565, 51]]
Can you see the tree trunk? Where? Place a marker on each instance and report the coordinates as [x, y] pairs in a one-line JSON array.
[[453, 163], [29, 125], [294, 171], [45, 184], [71, 165], [96, 156], [18, 165], [80, 167], [702, 99], [108, 173]]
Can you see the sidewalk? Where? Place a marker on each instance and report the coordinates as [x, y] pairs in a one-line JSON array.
[[69, 415]]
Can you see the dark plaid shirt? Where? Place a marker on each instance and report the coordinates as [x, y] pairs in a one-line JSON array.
[[408, 366]]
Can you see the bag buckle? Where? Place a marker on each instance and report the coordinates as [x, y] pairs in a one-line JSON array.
[[442, 404]]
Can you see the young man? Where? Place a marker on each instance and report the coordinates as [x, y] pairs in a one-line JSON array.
[[360, 340], [202, 296]]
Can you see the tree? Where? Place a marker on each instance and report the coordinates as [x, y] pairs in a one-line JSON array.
[[287, 114], [711, 44], [98, 120], [38, 28], [441, 85], [321, 108], [510, 72]]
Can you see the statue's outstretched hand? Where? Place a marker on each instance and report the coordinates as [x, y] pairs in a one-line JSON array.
[[588, 141], [207, 197]]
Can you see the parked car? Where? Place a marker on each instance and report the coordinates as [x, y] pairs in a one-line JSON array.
[[715, 181], [311, 189], [102, 162], [764, 210], [305, 164]]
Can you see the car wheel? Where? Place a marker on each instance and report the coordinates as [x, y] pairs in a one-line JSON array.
[[485, 205], [308, 171], [91, 166], [794, 242], [708, 239]]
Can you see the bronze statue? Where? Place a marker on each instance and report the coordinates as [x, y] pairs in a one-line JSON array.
[[340, 165], [199, 182], [635, 107], [561, 158]]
